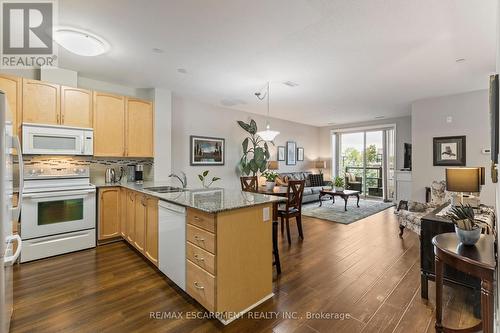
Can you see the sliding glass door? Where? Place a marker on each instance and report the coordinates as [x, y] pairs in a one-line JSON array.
[[365, 160]]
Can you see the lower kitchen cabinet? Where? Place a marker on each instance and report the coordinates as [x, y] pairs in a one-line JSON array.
[[131, 215], [140, 222], [109, 213], [151, 246]]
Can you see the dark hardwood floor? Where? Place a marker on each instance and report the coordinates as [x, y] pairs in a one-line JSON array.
[[363, 269]]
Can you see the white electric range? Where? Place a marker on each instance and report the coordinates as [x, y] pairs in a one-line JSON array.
[[58, 211]]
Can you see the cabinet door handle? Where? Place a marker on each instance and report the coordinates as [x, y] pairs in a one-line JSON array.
[[62, 118], [198, 238], [196, 218], [198, 286], [57, 118], [197, 257]]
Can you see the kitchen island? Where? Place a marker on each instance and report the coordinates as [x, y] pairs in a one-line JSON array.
[[224, 240]]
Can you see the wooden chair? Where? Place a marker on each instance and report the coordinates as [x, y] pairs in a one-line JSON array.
[[293, 207], [249, 184]]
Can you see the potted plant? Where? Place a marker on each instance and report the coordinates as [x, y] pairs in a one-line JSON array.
[[467, 228], [339, 184], [270, 179], [203, 178], [255, 150]]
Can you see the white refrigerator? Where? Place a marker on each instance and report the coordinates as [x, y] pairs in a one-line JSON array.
[[9, 144]]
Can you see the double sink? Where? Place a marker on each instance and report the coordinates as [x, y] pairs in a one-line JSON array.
[[164, 189]]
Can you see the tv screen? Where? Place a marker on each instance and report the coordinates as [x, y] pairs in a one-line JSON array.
[[407, 157]]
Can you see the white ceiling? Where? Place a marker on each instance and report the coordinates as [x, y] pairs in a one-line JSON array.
[[353, 60]]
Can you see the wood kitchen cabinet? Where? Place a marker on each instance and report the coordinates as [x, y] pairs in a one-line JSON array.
[[140, 128], [151, 246], [76, 107], [41, 102], [123, 212], [130, 219], [109, 125], [109, 213], [140, 222], [12, 87]]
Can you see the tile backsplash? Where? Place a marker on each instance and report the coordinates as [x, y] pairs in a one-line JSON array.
[[97, 165]]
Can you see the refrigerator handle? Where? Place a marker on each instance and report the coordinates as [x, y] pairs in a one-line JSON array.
[[17, 146], [10, 260]]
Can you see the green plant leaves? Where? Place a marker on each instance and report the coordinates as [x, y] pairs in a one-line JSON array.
[[215, 179], [245, 146], [253, 127], [205, 173], [244, 125], [200, 177]]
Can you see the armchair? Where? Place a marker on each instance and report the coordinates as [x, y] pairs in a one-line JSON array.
[[353, 182]]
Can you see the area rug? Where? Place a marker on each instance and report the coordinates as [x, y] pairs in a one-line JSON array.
[[335, 212]]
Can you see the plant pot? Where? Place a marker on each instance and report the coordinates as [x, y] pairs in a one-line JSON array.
[[339, 189], [269, 185], [468, 237]]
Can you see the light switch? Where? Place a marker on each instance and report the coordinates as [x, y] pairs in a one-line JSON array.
[[266, 214]]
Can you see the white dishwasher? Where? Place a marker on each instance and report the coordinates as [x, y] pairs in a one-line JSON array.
[[172, 242]]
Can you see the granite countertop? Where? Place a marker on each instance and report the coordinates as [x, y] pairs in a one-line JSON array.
[[212, 200]]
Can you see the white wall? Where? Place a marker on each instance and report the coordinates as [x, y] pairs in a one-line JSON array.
[[193, 118], [470, 112], [403, 135], [163, 134]]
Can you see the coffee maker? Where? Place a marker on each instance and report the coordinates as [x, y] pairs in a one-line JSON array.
[[139, 173]]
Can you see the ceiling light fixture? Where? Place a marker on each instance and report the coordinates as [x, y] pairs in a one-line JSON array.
[[157, 50], [80, 42], [266, 135], [182, 70], [460, 60], [379, 117]]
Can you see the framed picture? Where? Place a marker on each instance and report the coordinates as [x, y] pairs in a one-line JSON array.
[[449, 151], [281, 153], [291, 153], [206, 150], [300, 154]]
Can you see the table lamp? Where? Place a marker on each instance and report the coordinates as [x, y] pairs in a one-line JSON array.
[[465, 180], [320, 165], [273, 165]]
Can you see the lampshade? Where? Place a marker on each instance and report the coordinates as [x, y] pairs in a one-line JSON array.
[[464, 179], [320, 164], [273, 165]]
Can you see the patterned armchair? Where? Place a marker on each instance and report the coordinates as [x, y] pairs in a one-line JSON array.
[[409, 216]]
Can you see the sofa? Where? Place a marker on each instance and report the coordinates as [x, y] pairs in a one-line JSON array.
[[313, 183]]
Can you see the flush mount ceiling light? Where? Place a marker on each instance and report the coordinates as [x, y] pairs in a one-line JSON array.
[[80, 42], [460, 60], [266, 135], [379, 117], [291, 84]]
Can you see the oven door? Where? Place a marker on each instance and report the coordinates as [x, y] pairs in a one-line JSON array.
[[51, 213]]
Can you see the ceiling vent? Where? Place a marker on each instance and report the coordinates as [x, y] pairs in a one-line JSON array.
[[291, 84]]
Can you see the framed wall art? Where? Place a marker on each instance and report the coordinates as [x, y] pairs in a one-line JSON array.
[[206, 150], [449, 151]]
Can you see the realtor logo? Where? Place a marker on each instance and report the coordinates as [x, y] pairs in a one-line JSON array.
[[27, 29]]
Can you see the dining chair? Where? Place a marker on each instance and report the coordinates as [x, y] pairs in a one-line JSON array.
[[293, 207], [249, 184]]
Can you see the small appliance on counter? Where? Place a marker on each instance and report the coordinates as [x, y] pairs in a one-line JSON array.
[[139, 173], [110, 176], [131, 173]]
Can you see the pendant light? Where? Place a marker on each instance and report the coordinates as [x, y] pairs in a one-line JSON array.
[[267, 135]]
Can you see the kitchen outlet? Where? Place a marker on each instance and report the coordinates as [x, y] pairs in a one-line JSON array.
[[486, 151], [265, 214]]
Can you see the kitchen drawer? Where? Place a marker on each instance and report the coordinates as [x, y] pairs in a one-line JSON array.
[[200, 257], [201, 238], [201, 219], [200, 285]]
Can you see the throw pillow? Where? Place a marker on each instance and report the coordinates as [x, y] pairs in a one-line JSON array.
[[416, 207], [316, 180], [438, 193], [351, 177]]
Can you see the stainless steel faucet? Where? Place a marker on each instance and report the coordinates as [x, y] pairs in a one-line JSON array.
[[183, 180]]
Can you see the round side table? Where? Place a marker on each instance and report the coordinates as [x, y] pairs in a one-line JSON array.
[[479, 261]]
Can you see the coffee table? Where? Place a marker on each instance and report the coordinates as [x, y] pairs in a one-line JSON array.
[[343, 194]]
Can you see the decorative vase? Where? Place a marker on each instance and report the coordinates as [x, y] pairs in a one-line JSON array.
[[339, 189], [269, 185], [468, 237]]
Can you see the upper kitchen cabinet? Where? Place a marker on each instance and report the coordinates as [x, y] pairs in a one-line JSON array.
[[12, 87], [139, 128], [41, 102], [76, 107], [109, 125]]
